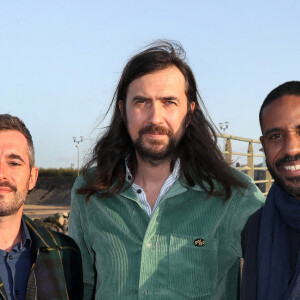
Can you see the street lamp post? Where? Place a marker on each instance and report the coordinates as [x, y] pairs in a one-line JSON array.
[[224, 126], [77, 142]]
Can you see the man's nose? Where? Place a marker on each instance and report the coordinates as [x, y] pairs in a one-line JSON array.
[[156, 113], [3, 171], [292, 143]]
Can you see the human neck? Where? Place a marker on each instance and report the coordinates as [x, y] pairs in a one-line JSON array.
[[149, 174], [10, 230]]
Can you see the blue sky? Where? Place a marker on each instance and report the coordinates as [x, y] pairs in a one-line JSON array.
[[60, 61]]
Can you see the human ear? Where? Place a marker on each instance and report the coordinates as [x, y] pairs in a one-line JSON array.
[[192, 107], [33, 177], [121, 107], [190, 113], [262, 142]]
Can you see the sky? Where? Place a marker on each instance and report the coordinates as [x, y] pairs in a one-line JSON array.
[[60, 61]]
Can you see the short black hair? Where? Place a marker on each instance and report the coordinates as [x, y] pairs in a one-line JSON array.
[[287, 88]]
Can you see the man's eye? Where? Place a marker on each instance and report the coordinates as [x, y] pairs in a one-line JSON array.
[[275, 136], [15, 163], [140, 101], [170, 102]]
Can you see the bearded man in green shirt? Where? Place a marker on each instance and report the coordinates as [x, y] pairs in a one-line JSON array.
[[160, 214]]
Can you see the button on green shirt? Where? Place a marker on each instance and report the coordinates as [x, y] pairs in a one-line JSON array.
[[189, 248]]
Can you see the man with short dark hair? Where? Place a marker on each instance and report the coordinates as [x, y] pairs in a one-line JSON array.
[[160, 215], [271, 237], [35, 263]]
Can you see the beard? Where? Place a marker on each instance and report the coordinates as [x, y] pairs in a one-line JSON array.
[[12, 206], [155, 151], [291, 185]]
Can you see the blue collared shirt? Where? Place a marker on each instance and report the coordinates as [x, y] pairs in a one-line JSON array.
[[166, 186], [15, 266]]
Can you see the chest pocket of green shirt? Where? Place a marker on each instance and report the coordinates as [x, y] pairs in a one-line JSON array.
[[193, 265]]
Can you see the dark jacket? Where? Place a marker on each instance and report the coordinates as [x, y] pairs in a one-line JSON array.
[[250, 236], [56, 272]]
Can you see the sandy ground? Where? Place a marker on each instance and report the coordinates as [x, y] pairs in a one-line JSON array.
[[43, 211]]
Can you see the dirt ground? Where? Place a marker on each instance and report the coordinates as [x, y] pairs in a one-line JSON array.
[[50, 195], [42, 211]]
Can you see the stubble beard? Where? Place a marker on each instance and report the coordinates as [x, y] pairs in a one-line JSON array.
[[155, 153], [12, 206], [292, 189]]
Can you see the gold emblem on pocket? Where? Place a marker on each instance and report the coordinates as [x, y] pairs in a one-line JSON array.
[[199, 242]]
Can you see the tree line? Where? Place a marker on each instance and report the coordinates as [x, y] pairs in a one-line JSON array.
[[57, 172]]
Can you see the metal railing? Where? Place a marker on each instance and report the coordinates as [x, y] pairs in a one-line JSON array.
[[255, 172]]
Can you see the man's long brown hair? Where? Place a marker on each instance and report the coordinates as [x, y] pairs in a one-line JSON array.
[[201, 161]]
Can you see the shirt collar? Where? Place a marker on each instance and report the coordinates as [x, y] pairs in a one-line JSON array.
[[175, 173], [25, 234], [128, 177]]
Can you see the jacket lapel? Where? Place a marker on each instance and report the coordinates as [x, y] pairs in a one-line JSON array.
[[47, 269], [2, 290]]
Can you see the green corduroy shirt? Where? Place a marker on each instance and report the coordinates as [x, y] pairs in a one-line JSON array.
[[189, 249]]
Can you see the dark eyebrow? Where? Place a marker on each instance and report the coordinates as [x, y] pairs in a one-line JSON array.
[[272, 130], [16, 156], [168, 98], [276, 129], [160, 98], [140, 98]]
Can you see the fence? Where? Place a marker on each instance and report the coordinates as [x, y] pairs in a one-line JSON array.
[[259, 173]]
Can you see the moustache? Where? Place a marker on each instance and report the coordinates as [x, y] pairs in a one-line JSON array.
[[156, 129], [9, 185], [287, 158]]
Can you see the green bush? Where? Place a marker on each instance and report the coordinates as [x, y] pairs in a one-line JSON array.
[[61, 172]]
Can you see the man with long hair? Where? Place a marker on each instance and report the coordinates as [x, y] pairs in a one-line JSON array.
[[271, 238], [35, 263], [158, 212]]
